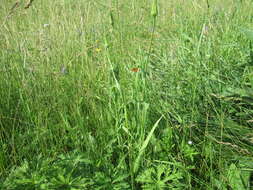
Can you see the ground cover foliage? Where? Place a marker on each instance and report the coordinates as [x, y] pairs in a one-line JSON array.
[[119, 94]]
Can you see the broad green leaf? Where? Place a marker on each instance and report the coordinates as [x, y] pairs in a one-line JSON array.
[[248, 33], [234, 178]]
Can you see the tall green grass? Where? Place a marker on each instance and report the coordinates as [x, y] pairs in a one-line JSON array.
[[126, 94]]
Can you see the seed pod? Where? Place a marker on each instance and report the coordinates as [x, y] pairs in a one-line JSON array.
[[111, 19], [154, 9]]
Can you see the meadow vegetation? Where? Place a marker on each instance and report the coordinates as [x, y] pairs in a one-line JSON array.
[[126, 94]]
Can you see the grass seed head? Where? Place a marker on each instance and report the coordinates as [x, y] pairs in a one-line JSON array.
[[154, 9]]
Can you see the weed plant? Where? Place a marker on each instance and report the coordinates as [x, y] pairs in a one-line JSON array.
[[120, 94]]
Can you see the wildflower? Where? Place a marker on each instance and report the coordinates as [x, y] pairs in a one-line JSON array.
[[135, 69], [205, 30], [64, 70], [46, 25], [190, 142], [98, 50]]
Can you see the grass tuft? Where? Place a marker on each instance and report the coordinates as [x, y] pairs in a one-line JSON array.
[[114, 95]]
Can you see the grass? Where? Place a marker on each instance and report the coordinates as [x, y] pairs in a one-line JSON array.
[[112, 95]]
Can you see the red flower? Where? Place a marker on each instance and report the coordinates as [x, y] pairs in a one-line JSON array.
[[135, 69]]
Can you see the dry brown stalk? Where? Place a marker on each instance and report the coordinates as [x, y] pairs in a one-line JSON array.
[[29, 4]]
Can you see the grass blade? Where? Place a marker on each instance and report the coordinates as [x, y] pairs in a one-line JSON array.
[[144, 145]]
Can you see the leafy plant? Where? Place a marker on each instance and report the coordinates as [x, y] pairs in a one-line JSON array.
[[117, 181], [161, 177], [234, 177], [237, 176], [188, 151], [66, 172]]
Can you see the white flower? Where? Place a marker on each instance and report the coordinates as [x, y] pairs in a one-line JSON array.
[[190, 142], [46, 25], [64, 70]]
